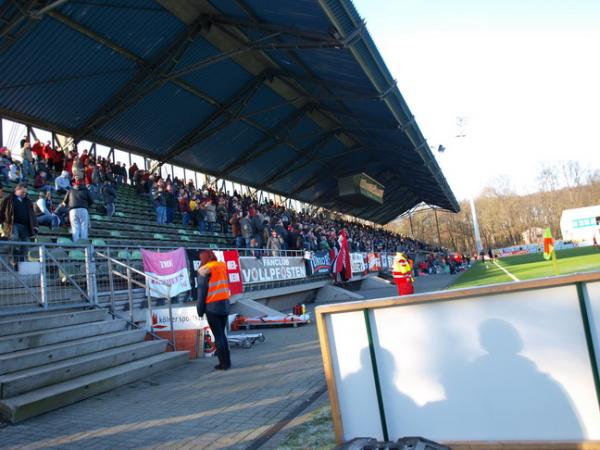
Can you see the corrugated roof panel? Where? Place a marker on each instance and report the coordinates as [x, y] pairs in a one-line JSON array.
[[63, 79], [211, 78], [159, 120], [266, 164], [140, 26], [264, 98], [297, 13], [80, 76], [223, 148]]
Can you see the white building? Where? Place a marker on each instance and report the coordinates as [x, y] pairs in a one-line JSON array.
[[581, 224]]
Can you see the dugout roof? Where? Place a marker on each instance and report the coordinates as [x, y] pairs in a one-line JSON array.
[[282, 95]]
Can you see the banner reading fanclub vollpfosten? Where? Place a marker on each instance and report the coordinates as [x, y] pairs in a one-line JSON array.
[[271, 268]]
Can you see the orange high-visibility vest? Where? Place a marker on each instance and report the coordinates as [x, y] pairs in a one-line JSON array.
[[218, 284]]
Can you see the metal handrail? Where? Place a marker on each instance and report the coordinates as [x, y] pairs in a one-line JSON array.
[[129, 279]]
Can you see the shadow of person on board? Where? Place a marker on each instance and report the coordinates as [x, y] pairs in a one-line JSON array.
[[502, 395]]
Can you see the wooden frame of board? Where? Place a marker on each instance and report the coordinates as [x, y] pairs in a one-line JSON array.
[[440, 296]]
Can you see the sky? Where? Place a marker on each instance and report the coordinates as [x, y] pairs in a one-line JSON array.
[[524, 73]]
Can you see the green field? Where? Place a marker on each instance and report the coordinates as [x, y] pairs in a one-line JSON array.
[[527, 267]]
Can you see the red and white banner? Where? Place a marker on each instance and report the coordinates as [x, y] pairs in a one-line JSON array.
[[232, 259], [170, 268], [374, 262]]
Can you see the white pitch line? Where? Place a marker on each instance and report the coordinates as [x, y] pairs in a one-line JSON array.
[[506, 271]]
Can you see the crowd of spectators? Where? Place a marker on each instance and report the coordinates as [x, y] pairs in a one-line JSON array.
[[79, 179], [255, 224], [84, 179]]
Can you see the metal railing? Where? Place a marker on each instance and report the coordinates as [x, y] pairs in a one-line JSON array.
[[128, 276], [40, 275]]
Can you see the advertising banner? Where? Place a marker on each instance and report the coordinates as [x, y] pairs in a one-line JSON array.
[[169, 267], [320, 263], [186, 325], [374, 262], [357, 260], [230, 258], [184, 318], [271, 268]]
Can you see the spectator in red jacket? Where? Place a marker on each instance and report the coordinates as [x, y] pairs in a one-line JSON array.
[[37, 150], [84, 157], [184, 207]]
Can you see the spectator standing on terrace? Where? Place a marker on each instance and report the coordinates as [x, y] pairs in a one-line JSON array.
[[275, 243], [37, 150], [184, 207], [211, 215], [246, 228], [18, 221], [43, 215], [236, 229], [133, 169], [170, 203], [27, 160], [4, 164], [160, 203], [62, 184], [78, 200], [109, 195]]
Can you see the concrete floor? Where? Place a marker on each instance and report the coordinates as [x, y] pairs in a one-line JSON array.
[[196, 407]]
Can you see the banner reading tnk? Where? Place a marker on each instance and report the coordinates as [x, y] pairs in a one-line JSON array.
[[170, 268]]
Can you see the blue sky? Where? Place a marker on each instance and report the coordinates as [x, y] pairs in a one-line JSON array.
[[525, 74]]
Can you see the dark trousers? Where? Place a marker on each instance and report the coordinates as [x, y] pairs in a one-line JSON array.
[[19, 233], [217, 323]]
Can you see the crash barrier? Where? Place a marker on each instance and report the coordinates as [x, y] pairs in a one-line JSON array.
[[474, 367], [41, 274]]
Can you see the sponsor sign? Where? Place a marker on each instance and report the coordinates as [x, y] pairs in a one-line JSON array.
[[184, 318], [185, 324], [320, 263], [271, 268], [374, 262], [230, 258], [170, 268], [357, 261]]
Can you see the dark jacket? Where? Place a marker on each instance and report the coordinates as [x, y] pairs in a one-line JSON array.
[[78, 197], [108, 193], [221, 307], [7, 214]]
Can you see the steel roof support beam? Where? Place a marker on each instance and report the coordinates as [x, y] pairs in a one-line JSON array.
[[145, 81], [203, 130], [308, 152], [335, 39], [258, 150]]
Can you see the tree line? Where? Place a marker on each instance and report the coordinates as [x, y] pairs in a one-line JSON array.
[[504, 215]]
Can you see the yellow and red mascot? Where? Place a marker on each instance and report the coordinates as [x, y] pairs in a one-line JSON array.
[[402, 272]]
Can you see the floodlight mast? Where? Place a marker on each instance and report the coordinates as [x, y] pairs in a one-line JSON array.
[[461, 122]]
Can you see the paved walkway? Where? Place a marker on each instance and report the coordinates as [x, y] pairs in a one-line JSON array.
[[193, 406]]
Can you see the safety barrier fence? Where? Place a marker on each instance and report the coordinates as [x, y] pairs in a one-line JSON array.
[[47, 275]]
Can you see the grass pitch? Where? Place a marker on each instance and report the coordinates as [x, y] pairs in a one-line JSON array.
[[527, 267]]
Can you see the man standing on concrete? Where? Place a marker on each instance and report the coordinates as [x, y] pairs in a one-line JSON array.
[[18, 220], [78, 200]]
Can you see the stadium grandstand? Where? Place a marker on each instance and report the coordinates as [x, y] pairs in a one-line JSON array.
[[271, 127]]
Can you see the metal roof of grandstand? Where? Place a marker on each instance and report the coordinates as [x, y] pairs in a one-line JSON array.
[[282, 95]]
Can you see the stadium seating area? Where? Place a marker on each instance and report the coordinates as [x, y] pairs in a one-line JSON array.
[[133, 225]]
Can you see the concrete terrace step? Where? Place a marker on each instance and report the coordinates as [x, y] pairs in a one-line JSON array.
[[45, 399], [22, 341], [35, 322], [39, 356], [27, 380]]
